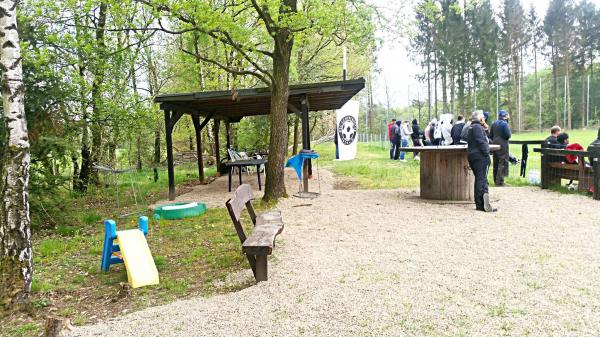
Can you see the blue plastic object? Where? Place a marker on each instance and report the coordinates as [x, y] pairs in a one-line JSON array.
[[297, 162], [109, 247]]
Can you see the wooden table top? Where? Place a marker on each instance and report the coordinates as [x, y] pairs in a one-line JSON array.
[[246, 162], [448, 148]]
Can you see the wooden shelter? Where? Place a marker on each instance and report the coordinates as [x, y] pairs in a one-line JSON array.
[[232, 105]]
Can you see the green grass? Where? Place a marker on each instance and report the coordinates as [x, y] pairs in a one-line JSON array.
[[189, 254], [372, 168]]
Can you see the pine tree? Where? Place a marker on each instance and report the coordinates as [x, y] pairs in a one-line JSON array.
[[514, 38]]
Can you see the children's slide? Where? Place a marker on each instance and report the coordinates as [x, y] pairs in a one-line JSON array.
[[141, 270]]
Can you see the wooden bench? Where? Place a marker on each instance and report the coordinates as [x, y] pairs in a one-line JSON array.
[[261, 241], [554, 168]]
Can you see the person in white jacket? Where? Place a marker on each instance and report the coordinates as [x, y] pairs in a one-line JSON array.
[[446, 129]]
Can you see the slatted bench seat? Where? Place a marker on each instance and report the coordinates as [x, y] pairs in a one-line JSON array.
[[579, 172], [554, 168], [261, 241]]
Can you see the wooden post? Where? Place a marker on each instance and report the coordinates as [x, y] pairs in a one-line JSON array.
[[596, 177], [261, 268], [305, 141], [581, 186], [216, 125], [228, 134], [197, 128], [169, 141], [545, 183]]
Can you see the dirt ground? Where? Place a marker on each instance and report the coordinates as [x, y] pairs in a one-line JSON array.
[[386, 263]]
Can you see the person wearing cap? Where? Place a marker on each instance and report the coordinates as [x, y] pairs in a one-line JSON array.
[[500, 135], [478, 149]]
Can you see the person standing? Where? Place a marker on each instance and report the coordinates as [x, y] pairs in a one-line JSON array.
[[427, 134], [479, 160], [500, 135], [456, 130], [416, 134], [446, 124], [405, 134], [396, 140], [436, 137], [391, 137]]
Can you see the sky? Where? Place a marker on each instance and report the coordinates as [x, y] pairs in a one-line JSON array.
[[393, 58]]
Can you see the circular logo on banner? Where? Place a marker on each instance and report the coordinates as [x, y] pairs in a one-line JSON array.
[[347, 129]]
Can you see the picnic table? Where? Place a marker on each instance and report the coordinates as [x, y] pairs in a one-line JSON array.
[[245, 163], [445, 173]]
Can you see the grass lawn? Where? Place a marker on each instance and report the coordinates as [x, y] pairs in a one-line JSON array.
[[372, 168], [190, 255]]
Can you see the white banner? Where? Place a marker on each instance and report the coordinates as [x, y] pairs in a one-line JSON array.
[[347, 130]]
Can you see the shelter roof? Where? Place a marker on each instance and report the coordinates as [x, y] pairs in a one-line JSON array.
[[233, 105]]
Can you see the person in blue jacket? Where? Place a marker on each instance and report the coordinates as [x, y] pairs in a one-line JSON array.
[[500, 135], [478, 148]]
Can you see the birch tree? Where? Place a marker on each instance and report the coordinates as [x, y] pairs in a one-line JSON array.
[[15, 233]]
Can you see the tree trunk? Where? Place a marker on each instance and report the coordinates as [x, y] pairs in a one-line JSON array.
[[296, 134], [96, 154], [275, 185], [428, 87], [16, 268], [138, 152], [157, 143], [84, 173], [75, 169]]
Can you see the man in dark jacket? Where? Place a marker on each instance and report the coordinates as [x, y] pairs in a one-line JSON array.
[[552, 141], [415, 136], [456, 130], [500, 134], [479, 161]]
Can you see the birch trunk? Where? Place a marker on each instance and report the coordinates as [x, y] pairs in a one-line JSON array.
[[15, 234]]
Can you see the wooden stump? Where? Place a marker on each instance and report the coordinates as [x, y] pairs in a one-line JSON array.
[[445, 175], [57, 327]]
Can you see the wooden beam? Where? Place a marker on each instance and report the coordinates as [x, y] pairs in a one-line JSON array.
[[175, 117], [206, 120], [170, 165], [294, 109], [198, 130], [216, 126]]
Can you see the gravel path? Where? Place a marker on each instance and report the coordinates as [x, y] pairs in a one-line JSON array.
[[385, 263]]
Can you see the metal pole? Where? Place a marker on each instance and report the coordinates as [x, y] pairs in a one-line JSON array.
[[520, 107], [475, 93], [497, 91], [540, 107], [565, 105], [587, 110]]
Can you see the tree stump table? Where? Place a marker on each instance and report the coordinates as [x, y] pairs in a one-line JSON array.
[[445, 173]]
